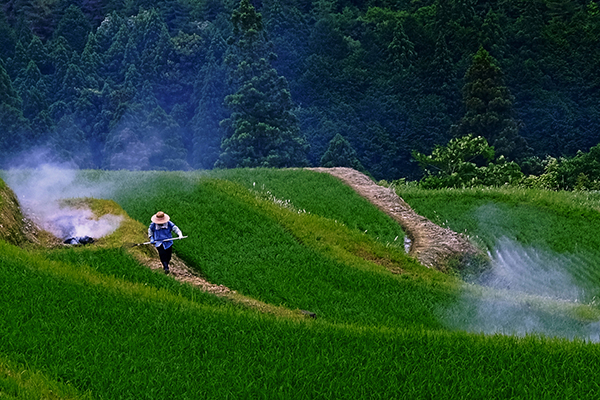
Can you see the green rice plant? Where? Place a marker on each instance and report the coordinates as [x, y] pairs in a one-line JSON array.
[[113, 329], [234, 243], [563, 221], [112, 341], [318, 193], [20, 382], [247, 247], [117, 263], [552, 235]]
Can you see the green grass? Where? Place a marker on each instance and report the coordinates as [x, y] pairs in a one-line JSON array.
[[238, 240], [563, 224], [119, 340], [563, 221], [118, 264], [19, 382], [320, 194], [95, 320]]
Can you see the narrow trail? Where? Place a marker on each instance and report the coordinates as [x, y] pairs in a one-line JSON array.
[[431, 245], [181, 272]]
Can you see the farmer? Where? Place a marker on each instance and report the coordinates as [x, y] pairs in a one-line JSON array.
[[160, 229]]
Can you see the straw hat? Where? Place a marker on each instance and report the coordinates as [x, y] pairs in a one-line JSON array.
[[160, 218]]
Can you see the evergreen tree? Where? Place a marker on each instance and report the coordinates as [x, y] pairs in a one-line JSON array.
[[90, 62], [33, 91], [73, 82], [60, 57], [13, 126], [489, 108], [340, 154], [492, 34], [166, 145], [153, 42], [74, 27], [68, 143], [401, 49], [211, 90], [8, 38], [115, 65], [19, 62], [262, 129], [37, 52], [127, 147]]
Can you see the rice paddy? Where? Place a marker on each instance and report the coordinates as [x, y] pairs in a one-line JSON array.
[[98, 324]]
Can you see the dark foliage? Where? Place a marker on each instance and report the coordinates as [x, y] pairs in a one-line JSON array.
[[140, 84]]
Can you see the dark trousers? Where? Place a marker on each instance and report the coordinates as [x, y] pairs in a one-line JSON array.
[[165, 255]]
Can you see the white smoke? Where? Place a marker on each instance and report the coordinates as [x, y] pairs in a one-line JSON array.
[[41, 192], [533, 271], [528, 291]]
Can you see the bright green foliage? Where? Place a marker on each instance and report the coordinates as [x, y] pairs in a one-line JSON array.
[[262, 129], [489, 111], [466, 162], [581, 171], [340, 154]]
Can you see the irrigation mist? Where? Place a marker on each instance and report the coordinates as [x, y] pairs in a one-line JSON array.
[[41, 191]]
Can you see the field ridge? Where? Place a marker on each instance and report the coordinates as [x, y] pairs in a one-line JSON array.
[[432, 245]]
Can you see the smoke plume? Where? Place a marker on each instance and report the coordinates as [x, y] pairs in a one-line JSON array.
[[528, 291], [41, 191]]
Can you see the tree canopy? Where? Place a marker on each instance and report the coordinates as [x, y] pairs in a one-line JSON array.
[[249, 82]]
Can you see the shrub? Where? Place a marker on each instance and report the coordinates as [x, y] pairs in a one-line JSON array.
[[466, 162]]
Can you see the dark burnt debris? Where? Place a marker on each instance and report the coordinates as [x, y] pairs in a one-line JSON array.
[[79, 240]]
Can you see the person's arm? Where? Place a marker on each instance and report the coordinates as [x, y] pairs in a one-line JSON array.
[[177, 231], [150, 234]]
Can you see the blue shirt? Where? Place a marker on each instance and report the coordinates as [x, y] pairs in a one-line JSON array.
[[160, 232]]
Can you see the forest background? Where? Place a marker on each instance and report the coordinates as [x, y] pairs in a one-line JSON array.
[[190, 84]]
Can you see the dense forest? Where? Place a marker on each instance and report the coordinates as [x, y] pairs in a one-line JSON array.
[[194, 84]]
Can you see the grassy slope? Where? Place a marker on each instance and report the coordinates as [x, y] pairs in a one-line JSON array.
[[10, 215], [105, 324], [561, 222], [133, 341], [247, 244]]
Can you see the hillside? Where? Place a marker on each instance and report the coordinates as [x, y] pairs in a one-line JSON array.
[[98, 320], [100, 85], [10, 214]]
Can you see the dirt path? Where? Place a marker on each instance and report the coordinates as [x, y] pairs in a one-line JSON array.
[[180, 271], [183, 273], [431, 245]]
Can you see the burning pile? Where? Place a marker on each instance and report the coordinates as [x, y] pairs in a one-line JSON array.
[[78, 226], [42, 193], [79, 240]]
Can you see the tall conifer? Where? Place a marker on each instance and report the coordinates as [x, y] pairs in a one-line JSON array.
[[262, 129], [489, 108]]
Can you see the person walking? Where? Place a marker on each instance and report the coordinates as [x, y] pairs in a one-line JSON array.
[[160, 229]]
